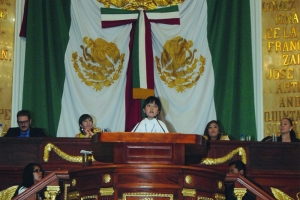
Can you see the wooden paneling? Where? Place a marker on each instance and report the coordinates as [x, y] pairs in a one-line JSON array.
[[172, 148], [151, 179], [158, 167]]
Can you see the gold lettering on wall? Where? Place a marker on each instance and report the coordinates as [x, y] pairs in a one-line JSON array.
[[272, 5], [281, 63], [7, 25]]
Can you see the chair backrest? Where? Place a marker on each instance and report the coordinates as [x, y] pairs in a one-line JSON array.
[[224, 137]]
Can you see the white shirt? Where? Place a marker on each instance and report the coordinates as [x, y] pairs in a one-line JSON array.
[[22, 189], [150, 125]]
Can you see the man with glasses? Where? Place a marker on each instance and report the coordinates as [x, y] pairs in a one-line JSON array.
[[24, 130]]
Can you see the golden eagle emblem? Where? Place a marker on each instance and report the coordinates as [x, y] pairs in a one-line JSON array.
[[178, 67], [101, 63]]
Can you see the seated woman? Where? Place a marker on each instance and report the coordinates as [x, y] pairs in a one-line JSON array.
[[213, 132], [86, 127], [32, 174], [287, 134]]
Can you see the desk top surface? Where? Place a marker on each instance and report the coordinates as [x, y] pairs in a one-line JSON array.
[[148, 137]]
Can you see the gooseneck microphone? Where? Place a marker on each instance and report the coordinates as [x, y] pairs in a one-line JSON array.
[[137, 126], [160, 125]]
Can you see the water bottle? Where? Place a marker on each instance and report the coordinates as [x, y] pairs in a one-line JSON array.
[[274, 137], [242, 138], [1, 130]]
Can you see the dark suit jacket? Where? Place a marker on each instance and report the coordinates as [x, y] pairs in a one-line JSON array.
[[34, 132], [279, 139]]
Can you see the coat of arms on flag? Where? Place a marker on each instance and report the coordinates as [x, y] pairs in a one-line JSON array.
[[177, 66], [100, 64]]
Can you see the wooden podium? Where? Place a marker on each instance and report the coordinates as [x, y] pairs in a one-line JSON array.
[[146, 166], [159, 148]]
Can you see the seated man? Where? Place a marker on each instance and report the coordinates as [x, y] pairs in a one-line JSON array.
[[24, 129], [237, 166]]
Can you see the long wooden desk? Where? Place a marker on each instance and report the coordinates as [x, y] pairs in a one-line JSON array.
[[269, 165]]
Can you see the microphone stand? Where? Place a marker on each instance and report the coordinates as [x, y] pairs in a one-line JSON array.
[[160, 125], [157, 122], [137, 126]]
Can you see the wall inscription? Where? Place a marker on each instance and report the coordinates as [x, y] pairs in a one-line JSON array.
[[281, 63]]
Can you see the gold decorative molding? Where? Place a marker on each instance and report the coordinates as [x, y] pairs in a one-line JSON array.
[[73, 182], [220, 185], [139, 4], [49, 147], [66, 191], [220, 196], [217, 197], [147, 195], [188, 192], [188, 179], [278, 194], [89, 197], [106, 191], [239, 193], [204, 198], [106, 178], [8, 193], [51, 192], [215, 161], [73, 195]]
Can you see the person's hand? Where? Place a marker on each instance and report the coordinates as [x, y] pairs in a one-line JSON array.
[[88, 133]]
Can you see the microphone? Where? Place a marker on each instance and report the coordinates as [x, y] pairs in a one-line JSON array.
[[136, 126], [160, 125]]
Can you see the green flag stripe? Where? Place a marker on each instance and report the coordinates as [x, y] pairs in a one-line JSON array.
[[167, 9], [48, 24], [117, 11]]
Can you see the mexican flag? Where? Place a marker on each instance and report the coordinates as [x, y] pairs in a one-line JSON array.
[[202, 67]]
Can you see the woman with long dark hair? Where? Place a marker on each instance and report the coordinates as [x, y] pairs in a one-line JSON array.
[[32, 174], [287, 134], [213, 131]]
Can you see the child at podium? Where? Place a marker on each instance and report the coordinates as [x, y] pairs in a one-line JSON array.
[[151, 108]]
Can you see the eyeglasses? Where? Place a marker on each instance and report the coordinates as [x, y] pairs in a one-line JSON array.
[[23, 122], [38, 170]]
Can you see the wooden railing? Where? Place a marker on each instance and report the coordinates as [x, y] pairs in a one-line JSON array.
[[56, 178], [240, 181]]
